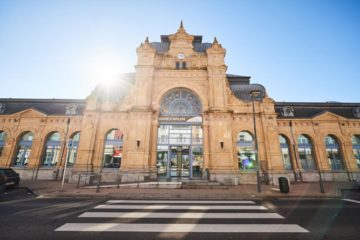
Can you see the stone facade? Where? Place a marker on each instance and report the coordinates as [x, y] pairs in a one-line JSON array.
[[180, 61]]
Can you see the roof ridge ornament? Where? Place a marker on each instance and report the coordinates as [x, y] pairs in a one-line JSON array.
[[215, 41], [147, 40]]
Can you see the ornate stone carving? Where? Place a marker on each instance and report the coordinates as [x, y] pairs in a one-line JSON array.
[[71, 109], [356, 112], [2, 107], [287, 111], [180, 102]]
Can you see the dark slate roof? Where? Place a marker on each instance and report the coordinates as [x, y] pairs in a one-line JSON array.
[[163, 46], [237, 79], [242, 91], [311, 109], [46, 106]]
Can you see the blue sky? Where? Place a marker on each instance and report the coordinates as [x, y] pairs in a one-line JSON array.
[[300, 50]]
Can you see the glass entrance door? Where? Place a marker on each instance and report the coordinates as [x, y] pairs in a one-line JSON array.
[[180, 161], [180, 151]]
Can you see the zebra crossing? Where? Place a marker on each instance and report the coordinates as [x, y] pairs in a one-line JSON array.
[[189, 216]]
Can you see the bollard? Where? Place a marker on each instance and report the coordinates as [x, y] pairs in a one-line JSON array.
[[98, 183], [78, 183]]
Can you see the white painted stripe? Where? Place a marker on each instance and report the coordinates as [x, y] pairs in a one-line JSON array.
[[178, 202], [225, 228], [192, 215], [350, 200], [182, 207]]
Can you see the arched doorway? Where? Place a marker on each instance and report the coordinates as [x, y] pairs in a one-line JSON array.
[[180, 135]]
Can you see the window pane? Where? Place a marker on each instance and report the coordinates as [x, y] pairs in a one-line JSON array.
[[162, 161], [286, 158], [112, 156], [27, 137], [197, 161], [245, 137], [54, 137], [22, 157], [246, 158], [306, 159], [2, 136], [303, 140], [357, 156]]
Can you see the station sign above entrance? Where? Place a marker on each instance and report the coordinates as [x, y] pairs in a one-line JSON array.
[[179, 119]]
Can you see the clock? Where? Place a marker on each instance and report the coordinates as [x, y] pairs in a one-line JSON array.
[[181, 56]]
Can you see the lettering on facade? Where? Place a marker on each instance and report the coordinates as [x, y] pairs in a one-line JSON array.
[[173, 119]]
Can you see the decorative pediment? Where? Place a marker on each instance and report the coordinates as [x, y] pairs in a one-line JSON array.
[[181, 42], [327, 116], [30, 113]]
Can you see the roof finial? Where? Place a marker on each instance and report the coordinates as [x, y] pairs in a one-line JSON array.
[[181, 24], [215, 41], [147, 40]]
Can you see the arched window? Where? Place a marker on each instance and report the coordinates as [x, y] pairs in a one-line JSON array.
[[113, 149], [52, 151], [2, 141], [356, 148], [333, 153], [72, 148], [305, 151], [285, 153], [24, 149], [246, 151]]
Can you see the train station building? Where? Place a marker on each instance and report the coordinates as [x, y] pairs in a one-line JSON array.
[[180, 115]]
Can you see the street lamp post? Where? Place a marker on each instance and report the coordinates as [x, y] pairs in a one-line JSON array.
[[255, 93]]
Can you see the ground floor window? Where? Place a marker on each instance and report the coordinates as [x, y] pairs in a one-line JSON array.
[[306, 153], [356, 149], [285, 153], [113, 150], [23, 150], [333, 153], [72, 149], [246, 151], [2, 141], [52, 150]]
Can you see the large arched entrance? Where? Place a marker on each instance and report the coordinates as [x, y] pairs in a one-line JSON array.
[[180, 135]]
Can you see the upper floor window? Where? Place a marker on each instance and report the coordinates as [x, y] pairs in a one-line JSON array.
[[180, 65]]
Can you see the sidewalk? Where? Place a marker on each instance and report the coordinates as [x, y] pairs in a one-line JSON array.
[[247, 191]]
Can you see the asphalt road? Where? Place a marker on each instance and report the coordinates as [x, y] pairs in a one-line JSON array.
[[25, 216]]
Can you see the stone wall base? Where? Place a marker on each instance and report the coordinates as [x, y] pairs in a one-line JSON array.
[[37, 174], [224, 177], [130, 175]]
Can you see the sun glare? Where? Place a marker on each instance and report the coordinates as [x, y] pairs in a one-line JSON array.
[[103, 69]]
